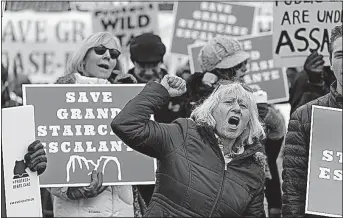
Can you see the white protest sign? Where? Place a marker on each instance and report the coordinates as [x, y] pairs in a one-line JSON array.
[[21, 185], [39, 44], [127, 21], [303, 26]]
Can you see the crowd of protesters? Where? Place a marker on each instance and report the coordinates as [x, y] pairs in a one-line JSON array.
[[216, 144]]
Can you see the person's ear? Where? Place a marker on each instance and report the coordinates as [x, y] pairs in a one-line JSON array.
[[331, 63]]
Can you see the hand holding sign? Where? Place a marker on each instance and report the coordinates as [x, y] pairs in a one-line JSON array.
[[94, 189], [35, 158], [314, 66]]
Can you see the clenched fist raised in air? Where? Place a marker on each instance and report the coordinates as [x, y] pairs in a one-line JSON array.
[[175, 86]]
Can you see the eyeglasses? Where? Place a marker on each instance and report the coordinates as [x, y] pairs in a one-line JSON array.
[[100, 50]]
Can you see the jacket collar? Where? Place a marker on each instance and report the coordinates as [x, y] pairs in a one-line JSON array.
[[208, 135], [335, 97]]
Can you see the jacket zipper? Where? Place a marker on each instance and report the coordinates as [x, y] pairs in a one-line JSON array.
[[221, 185], [224, 172]]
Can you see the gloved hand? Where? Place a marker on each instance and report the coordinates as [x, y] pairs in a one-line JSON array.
[[94, 189], [314, 66], [35, 158], [125, 79], [118, 77], [262, 110]]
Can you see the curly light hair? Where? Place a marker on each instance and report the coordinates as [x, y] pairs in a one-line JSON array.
[[202, 115]]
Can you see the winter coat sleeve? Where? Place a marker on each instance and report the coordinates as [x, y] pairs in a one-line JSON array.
[[275, 124], [304, 91], [256, 206], [134, 127], [294, 168], [60, 192]]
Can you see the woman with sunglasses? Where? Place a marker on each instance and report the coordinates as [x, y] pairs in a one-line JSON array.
[[209, 165], [223, 59], [95, 62]]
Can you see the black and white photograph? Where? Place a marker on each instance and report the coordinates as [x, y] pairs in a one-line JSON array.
[[171, 108]]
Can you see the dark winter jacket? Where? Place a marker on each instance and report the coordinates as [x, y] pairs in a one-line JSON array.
[[168, 113], [171, 111], [303, 91], [295, 162], [191, 180]]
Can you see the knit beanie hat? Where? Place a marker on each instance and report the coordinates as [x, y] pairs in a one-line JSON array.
[[221, 52], [147, 48]]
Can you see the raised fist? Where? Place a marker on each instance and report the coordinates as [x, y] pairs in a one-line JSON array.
[[175, 86], [314, 66]]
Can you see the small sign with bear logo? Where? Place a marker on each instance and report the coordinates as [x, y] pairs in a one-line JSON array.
[[22, 191]]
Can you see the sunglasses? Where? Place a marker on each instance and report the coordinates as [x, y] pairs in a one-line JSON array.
[[100, 50], [227, 82]]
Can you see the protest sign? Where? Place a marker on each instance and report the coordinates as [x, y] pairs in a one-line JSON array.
[[301, 27], [202, 21], [261, 73], [324, 179], [73, 123], [39, 44], [126, 22], [21, 184], [193, 53]]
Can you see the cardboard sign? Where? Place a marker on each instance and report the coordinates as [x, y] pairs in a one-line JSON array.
[[202, 21], [21, 184], [301, 27], [73, 123], [127, 21], [261, 73], [39, 44], [324, 179]]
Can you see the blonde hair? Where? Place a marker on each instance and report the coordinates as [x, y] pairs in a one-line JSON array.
[[202, 115], [75, 62]]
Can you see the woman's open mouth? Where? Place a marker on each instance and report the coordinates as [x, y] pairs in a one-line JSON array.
[[234, 122], [104, 66]]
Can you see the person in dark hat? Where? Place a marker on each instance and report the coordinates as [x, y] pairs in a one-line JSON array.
[[147, 52]]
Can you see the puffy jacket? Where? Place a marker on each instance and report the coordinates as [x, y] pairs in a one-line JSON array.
[[303, 91], [191, 180], [295, 162], [114, 201]]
